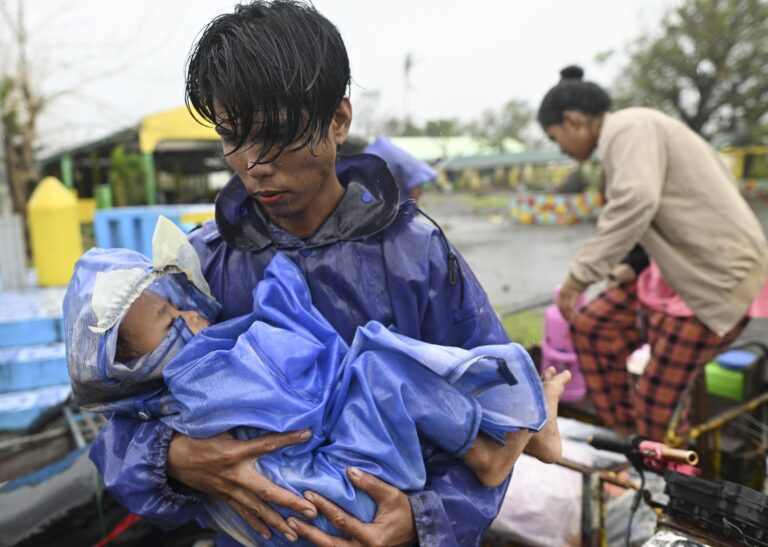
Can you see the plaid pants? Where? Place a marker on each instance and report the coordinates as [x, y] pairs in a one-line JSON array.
[[607, 331]]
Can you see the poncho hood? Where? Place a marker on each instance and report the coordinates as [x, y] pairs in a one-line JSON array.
[[104, 285], [369, 205]]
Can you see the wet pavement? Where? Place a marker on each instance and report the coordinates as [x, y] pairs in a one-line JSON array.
[[514, 263], [517, 264]]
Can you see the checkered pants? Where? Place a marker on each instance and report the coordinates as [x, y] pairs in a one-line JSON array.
[[607, 331]]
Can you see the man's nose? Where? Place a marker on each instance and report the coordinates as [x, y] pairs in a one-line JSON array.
[[256, 168]]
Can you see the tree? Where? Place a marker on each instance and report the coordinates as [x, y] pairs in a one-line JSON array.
[[495, 127], [445, 127], [20, 106], [706, 65], [400, 127], [126, 177]]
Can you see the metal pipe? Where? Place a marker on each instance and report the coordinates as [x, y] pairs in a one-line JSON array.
[[680, 456], [74, 427], [721, 419]]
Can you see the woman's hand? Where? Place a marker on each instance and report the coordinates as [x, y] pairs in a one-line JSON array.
[[566, 300], [621, 275], [392, 526], [224, 467]]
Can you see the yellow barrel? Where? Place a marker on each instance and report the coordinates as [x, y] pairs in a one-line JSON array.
[[53, 218]]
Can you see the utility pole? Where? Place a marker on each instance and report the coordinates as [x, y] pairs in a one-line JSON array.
[[407, 68]]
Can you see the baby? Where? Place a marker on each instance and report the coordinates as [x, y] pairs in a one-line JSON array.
[[151, 316], [378, 404]]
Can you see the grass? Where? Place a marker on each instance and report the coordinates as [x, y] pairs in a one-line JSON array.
[[524, 327], [484, 202]]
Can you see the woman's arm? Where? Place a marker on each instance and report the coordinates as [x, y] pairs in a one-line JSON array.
[[635, 163]]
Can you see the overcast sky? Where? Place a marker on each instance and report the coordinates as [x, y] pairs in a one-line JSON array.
[[119, 61]]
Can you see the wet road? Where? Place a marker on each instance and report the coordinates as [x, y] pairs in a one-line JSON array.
[[513, 263], [519, 263]]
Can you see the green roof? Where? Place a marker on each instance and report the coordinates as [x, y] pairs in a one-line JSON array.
[[535, 156], [431, 149]]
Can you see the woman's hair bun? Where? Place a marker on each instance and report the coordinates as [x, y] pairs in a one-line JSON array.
[[572, 72]]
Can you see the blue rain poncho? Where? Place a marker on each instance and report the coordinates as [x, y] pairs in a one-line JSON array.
[[283, 367], [373, 404], [408, 171], [372, 259]]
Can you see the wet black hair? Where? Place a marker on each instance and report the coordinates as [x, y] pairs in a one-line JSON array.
[[278, 69], [572, 93]]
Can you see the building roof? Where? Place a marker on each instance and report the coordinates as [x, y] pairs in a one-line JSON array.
[[171, 126], [534, 156], [432, 149]]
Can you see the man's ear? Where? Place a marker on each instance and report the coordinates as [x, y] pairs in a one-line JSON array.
[[342, 120]]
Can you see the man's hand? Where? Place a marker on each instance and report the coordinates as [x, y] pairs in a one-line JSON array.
[[621, 275], [566, 300], [392, 526], [224, 467]]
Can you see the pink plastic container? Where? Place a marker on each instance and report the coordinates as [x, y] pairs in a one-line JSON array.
[[557, 351]]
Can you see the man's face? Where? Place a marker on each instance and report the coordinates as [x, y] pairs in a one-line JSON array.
[[298, 189]]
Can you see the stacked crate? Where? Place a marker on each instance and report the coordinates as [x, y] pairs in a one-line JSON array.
[[133, 227], [33, 368]]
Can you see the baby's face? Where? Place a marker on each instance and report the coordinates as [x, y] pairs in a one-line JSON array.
[[150, 318]]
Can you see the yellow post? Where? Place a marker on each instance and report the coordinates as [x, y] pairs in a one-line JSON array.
[[54, 231]]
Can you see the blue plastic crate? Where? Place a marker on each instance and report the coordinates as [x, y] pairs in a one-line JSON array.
[[30, 332], [19, 409], [132, 227], [32, 367], [31, 317]]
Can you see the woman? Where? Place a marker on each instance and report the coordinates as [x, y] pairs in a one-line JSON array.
[[667, 190]]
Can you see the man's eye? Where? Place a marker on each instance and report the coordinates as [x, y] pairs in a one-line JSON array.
[[228, 138]]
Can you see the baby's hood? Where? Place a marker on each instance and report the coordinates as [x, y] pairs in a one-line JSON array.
[[104, 285]]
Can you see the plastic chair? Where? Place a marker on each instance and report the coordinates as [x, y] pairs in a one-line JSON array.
[[557, 351]]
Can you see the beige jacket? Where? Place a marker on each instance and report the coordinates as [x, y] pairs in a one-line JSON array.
[[668, 190]]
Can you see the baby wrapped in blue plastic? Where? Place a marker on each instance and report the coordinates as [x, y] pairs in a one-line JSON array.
[[378, 404]]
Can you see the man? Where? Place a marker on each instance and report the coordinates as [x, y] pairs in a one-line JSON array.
[[272, 78]]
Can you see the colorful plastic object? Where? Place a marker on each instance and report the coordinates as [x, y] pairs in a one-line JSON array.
[[725, 375], [53, 215], [557, 351]]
